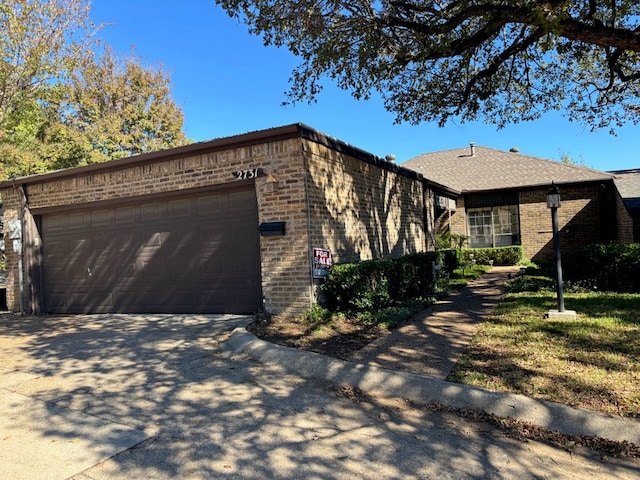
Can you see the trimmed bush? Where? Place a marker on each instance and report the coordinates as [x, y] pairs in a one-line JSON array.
[[613, 267], [376, 284], [451, 259], [511, 255]]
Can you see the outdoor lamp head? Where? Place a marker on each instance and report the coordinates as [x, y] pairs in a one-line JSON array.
[[553, 197]]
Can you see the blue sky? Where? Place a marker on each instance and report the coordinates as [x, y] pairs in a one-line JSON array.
[[228, 83]]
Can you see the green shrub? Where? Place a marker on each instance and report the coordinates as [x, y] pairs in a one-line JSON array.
[[359, 286], [377, 284], [451, 259], [511, 255], [449, 241], [318, 315], [613, 267]]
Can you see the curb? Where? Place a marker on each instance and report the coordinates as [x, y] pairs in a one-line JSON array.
[[423, 389]]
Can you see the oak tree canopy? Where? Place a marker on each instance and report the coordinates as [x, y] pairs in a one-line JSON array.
[[497, 61]]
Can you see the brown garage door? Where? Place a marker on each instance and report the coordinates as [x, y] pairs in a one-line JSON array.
[[189, 254]]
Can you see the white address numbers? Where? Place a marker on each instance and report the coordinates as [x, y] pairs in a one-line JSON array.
[[247, 174]]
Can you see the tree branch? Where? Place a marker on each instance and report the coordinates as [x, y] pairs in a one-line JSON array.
[[593, 32], [499, 59]]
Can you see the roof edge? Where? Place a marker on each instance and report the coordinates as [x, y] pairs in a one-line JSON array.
[[295, 130], [538, 186], [283, 132]]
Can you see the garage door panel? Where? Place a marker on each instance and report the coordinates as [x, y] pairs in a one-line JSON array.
[[57, 223], [237, 199], [100, 218], [209, 205], [210, 268], [123, 299], [178, 208], [154, 239], [124, 215], [197, 253], [56, 300], [77, 221], [77, 301], [151, 211], [241, 267], [152, 270]]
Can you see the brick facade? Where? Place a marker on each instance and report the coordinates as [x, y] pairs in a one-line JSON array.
[[329, 194], [363, 210], [589, 213], [627, 228], [452, 221]]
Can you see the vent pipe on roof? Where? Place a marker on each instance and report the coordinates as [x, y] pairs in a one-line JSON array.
[[472, 146], [390, 158], [514, 150]]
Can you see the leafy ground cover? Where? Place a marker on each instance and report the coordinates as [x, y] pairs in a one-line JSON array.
[[592, 362]]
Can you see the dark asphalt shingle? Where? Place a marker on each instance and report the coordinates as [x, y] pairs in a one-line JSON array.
[[628, 184], [491, 169]]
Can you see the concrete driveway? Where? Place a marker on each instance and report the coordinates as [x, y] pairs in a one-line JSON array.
[[127, 396]]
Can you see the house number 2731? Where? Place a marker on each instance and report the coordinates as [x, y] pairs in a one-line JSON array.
[[247, 174]]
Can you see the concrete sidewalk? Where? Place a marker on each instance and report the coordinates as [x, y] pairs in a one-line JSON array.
[[424, 389], [414, 361], [434, 340]]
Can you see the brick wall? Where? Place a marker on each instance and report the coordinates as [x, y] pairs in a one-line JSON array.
[[361, 210], [286, 280], [11, 211], [458, 221], [624, 221], [286, 268], [587, 215]]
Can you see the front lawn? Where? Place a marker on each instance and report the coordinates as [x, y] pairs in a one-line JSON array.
[[592, 362]]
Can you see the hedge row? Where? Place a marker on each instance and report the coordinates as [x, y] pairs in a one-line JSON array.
[[510, 255], [613, 267], [376, 284]]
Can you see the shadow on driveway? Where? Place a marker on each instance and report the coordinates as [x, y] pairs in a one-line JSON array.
[[201, 412]]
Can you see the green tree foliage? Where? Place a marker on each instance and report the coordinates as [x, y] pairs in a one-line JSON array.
[[500, 61], [40, 41], [65, 101], [121, 108]]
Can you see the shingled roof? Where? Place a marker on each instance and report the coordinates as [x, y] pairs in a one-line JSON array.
[[489, 169], [628, 184]]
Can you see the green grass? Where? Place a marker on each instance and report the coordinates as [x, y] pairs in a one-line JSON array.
[[592, 362], [461, 276]]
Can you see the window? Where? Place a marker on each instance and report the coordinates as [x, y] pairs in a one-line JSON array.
[[493, 226]]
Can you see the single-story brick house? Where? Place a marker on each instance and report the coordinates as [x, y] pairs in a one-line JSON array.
[[228, 225], [502, 200], [628, 184]]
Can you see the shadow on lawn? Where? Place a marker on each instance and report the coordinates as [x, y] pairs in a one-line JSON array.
[[518, 345]]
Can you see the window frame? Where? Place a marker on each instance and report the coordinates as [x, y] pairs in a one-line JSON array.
[[495, 231]]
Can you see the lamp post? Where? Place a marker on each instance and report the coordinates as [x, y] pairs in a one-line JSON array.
[[553, 202]]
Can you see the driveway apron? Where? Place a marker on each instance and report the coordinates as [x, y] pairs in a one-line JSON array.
[[75, 391], [161, 397]]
